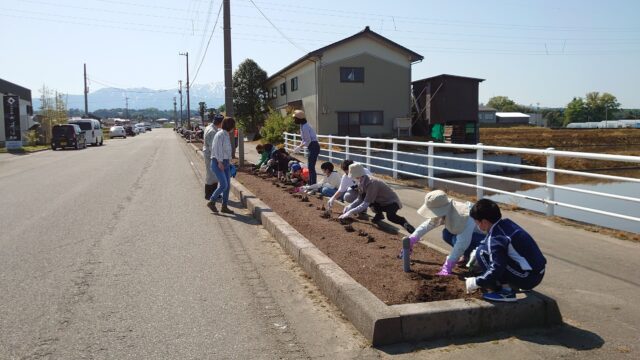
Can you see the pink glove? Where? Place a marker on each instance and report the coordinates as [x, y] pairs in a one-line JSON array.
[[447, 267]]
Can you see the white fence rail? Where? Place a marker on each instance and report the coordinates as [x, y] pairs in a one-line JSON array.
[[430, 161]]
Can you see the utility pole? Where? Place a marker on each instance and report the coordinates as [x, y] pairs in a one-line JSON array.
[[126, 110], [188, 102], [86, 93], [228, 80], [175, 114], [180, 92]]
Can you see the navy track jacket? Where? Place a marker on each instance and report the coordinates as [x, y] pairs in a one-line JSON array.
[[508, 247]]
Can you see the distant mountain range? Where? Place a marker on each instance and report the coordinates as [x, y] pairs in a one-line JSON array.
[[143, 98]]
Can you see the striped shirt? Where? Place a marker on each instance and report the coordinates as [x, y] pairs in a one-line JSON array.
[[308, 134], [221, 147]]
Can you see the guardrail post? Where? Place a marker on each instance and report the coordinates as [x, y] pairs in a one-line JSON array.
[[551, 177], [286, 141], [430, 165], [346, 148], [368, 152], [330, 148], [479, 172], [395, 158]]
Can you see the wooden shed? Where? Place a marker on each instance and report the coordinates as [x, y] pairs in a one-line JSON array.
[[450, 101]]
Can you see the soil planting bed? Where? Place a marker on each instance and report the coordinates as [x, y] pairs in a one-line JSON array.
[[365, 251]]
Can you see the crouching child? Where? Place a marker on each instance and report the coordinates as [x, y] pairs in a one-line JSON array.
[[507, 259]]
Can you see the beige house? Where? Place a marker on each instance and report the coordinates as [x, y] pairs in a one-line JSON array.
[[357, 86]]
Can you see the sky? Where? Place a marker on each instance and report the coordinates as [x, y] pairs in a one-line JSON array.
[[539, 53]]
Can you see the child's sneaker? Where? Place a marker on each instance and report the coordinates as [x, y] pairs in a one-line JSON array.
[[501, 296]]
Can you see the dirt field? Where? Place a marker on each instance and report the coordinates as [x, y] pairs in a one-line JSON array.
[[365, 251], [608, 141]]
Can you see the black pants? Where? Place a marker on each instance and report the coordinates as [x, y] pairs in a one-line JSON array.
[[391, 210]]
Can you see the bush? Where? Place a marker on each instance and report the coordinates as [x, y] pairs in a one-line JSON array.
[[275, 125]]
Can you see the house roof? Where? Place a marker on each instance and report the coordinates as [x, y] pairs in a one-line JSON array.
[[447, 76], [512, 114], [7, 87], [486, 108], [366, 32]]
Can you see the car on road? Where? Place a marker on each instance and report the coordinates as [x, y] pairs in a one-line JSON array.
[[68, 135], [129, 130], [92, 130], [117, 131]]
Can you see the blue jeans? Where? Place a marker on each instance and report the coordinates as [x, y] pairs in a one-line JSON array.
[[314, 151], [450, 239], [328, 192], [224, 180]]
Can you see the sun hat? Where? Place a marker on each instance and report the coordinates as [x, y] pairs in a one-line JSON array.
[[437, 204], [299, 114], [356, 171]]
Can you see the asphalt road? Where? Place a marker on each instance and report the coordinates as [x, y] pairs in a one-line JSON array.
[[111, 253]]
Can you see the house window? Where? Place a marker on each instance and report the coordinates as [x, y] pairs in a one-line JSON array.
[[352, 74], [283, 88], [274, 92], [294, 84], [348, 124], [371, 118]]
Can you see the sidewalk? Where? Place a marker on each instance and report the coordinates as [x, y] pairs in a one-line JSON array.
[[594, 278]]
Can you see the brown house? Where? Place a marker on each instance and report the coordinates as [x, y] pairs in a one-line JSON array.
[[451, 103]]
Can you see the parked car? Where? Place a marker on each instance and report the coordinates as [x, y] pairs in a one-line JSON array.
[[129, 130], [92, 130], [68, 135], [141, 128], [117, 131], [147, 126]]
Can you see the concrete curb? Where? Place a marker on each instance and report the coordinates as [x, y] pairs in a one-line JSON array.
[[383, 324]]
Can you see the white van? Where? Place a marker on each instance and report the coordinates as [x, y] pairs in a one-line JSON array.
[[92, 130]]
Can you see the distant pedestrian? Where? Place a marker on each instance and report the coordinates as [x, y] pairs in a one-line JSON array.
[[220, 161], [211, 181], [310, 140], [459, 231], [376, 194], [508, 258]]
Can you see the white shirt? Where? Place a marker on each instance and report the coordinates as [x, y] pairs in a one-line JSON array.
[[209, 132], [221, 148], [332, 181]]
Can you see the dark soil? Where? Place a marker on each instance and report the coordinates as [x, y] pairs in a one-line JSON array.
[[365, 251]]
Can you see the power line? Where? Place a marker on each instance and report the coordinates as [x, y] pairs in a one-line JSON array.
[[208, 42], [275, 27]]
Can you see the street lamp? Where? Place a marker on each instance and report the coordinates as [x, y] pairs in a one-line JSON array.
[[188, 103]]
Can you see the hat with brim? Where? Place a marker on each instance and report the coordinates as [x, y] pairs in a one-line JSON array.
[[456, 219], [299, 114], [436, 204], [356, 171]]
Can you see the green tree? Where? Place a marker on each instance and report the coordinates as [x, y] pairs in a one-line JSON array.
[[553, 117], [275, 125], [503, 103], [576, 111], [248, 95], [222, 108], [601, 106]]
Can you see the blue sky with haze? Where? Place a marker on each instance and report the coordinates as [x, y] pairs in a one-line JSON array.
[[535, 52]]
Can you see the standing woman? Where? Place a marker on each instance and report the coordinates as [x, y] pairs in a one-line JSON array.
[[310, 140], [211, 181], [220, 157]]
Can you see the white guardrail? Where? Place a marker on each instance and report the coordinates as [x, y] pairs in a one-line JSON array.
[[421, 165]]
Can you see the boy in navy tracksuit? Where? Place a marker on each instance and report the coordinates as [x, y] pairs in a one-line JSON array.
[[508, 258]]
